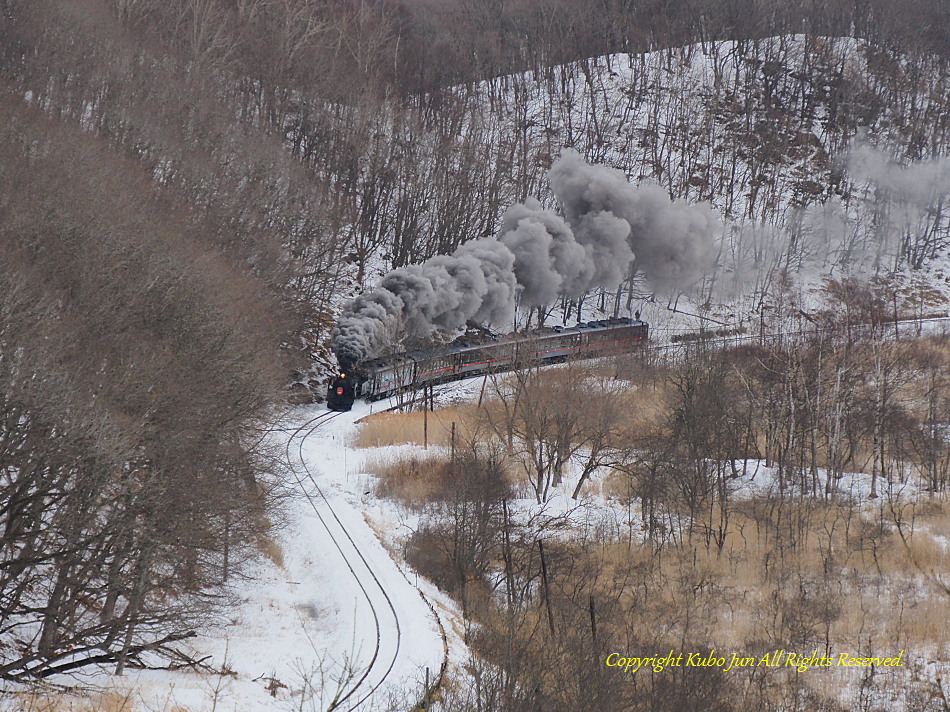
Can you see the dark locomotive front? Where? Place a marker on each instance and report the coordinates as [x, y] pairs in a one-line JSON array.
[[342, 391]]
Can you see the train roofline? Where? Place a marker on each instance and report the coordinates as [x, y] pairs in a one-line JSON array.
[[514, 338]]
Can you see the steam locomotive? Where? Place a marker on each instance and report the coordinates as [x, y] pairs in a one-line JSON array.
[[378, 378]]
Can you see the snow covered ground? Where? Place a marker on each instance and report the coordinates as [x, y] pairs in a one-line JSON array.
[[330, 617], [333, 616]]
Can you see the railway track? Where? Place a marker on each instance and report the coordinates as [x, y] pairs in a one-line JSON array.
[[900, 329], [361, 688], [365, 683]]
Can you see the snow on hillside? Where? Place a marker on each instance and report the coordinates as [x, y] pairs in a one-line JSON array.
[[754, 128], [823, 155], [305, 627]]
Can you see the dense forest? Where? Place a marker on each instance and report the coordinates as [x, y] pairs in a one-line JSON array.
[[189, 190]]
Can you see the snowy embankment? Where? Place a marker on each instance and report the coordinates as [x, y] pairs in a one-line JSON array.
[[329, 617]]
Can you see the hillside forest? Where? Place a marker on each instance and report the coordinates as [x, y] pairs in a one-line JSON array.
[[192, 190]]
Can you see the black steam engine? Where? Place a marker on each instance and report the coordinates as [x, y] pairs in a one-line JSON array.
[[342, 391], [382, 377]]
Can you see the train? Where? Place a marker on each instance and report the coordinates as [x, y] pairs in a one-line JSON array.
[[382, 377]]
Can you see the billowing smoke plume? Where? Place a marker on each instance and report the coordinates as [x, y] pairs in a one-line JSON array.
[[476, 282], [672, 241], [537, 257], [917, 183], [549, 262]]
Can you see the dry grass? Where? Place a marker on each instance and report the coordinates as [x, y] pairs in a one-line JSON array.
[[923, 622], [616, 484], [649, 406], [271, 549], [412, 480], [935, 517], [868, 591], [921, 553], [103, 701], [382, 429]]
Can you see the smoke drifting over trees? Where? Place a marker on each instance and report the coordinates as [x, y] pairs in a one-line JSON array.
[[892, 216], [671, 241], [538, 256], [909, 220], [549, 262]]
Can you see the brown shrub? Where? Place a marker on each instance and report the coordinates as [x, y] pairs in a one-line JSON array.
[[410, 479], [94, 701]]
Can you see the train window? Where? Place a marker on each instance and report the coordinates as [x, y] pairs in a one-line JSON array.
[[473, 356]]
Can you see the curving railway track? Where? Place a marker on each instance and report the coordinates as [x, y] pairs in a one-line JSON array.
[[387, 621]]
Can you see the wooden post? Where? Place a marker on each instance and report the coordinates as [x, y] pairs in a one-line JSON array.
[[593, 620], [544, 583], [896, 333], [453, 442], [227, 541]]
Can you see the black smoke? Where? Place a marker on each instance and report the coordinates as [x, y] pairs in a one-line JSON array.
[[476, 282]]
